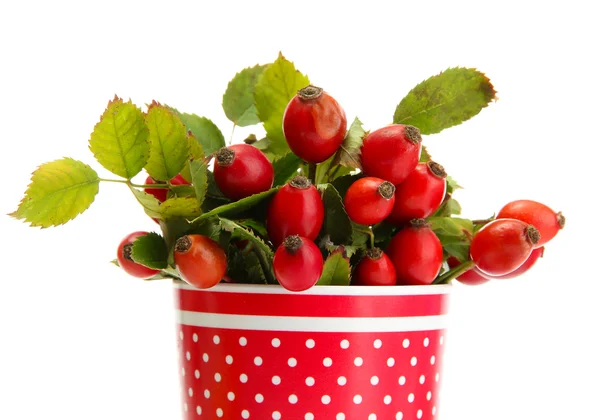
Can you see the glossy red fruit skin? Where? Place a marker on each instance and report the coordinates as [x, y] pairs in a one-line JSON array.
[[249, 173], [161, 193], [364, 203], [535, 255], [314, 128], [417, 255], [389, 153], [546, 220], [418, 196], [299, 270], [374, 272], [127, 264], [501, 246], [295, 211], [473, 277], [204, 264]]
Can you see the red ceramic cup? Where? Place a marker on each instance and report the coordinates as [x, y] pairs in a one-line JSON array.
[[329, 353]]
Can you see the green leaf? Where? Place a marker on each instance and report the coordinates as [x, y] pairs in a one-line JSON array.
[[119, 141], [328, 171], [349, 152], [150, 204], [238, 206], [336, 271], [445, 100], [278, 84], [238, 100], [425, 156], [451, 185], [241, 232], [186, 207], [342, 183], [453, 226], [337, 223], [169, 144], [255, 225], [199, 173], [58, 192], [205, 131], [151, 251], [254, 273], [196, 152], [285, 168], [213, 190], [448, 208], [458, 247]]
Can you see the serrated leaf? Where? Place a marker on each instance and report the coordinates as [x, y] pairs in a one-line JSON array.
[[254, 273], [169, 144], [451, 185], [205, 132], [242, 232], [456, 246], [196, 152], [199, 173], [119, 141], [445, 100], [186, 207], [336, 271], [349, 152], [285, 168], [449, 207], [453, 226], [328, 171], [238, 206], [150, 204], [425, 156], [151, 251], [277, 85], [59, 191], [255, 225], [238, 100], [337, 223]]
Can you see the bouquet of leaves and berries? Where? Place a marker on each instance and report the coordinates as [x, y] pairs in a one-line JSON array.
[[316, 201]]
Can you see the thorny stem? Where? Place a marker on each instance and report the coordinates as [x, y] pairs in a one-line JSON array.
[[450, 275]]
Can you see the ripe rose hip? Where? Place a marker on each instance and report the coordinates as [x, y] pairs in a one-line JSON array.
[[127, 263], [420, 194], [473, 277], [391, 152], [546, 220], [200, 260], [298, 263], [374, 269], [296, 209], [314, 124], [369, 200], [416, 253], [535, 255], [242, 170], [502, 245]]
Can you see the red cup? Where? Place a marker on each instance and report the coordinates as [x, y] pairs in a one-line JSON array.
[[328, 353]]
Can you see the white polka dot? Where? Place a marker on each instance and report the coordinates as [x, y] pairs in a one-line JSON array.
[[419, 414], [310, 381], [276, 415], [358, 361], [432, 360], [230, 396], [411, 397], [413, 361], [357, 399], [216, 339], [259, 398], [206, 393], [187, 355], [310, 343], [399, 415], [309, 416], [293, 399], [377, 343], [190, 392], [391, 362], [195, 338], [402, 380], [429, 396], [292, 362], [327, 362], [245, 414], [387, 399], [325, 399], [441, 340], [243, 341], [198, 410], [181, 335], [228, 359], [276, 342], [182, 371], [344, 344], [243, 378], [258, 360], [219, 412], [185, 407], [276, 380], [372, 416], [197, 374], [406, 343], [422, 379], [217, 377], [374, 380], [340, 416], [426, 342], [341, 381], [433, 410], [437, 377], [205, 357]]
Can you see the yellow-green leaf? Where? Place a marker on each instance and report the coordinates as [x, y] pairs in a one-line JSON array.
[[120, 140], [59, 191], [238, 100], [336, 271], [196, 152], [199, 172], [150, 204], [205, 131], [186, 207], [169, 144]]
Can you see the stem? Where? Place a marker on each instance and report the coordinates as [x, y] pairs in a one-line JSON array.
[[450, 275], [312, 173], [483, 221], [371, 236], [231, 136], [264, 265], [122, 181]]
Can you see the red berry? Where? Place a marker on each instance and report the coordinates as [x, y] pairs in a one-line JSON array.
[[369, 200], [375, 269], [472, 277], [416, 253], [242, 170], [391, 152], [314, 125], [161, 193], [546, 220], [200, 260], [502, 245], [535, 255], [298, 263], [420, 194], [296, 209], [126, 262]]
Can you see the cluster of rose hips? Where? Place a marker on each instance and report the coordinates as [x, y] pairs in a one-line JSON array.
[[395, 188]]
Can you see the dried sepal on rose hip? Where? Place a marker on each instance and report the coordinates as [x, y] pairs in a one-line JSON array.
[[369, 200], [374, 269], [546, 220], [200, 260], [298, 263], [127, 263]]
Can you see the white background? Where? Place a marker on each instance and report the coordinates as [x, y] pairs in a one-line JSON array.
[[81, 340]]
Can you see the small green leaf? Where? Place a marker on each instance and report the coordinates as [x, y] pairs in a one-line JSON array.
[[448, 208], [445, 100], [196, 152], [186, 207], [238, 206], [119, 141], [238, 100], [328, 171], [169, 144], [205, 132], [277, 85], [59, 191], [151, 251], [337, 223], [452, 185], [454, 226], [336, 271], [254, 273], [285, 168], [425, 156], [455, 246], [199, 173], [182, 191], [150, 204], [349, 152], [255, 225]]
